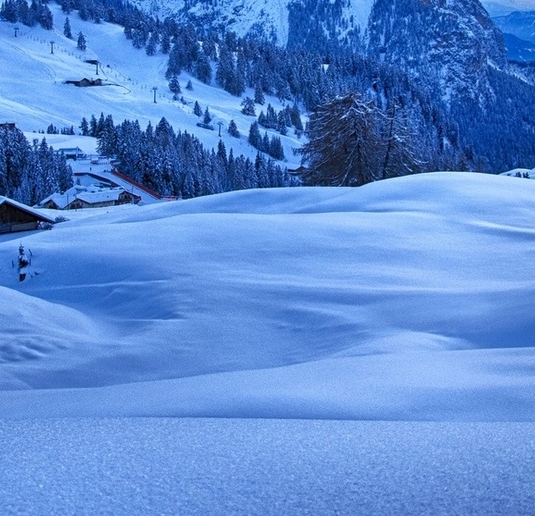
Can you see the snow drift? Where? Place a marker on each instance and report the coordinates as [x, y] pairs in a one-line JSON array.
[[405, 299]]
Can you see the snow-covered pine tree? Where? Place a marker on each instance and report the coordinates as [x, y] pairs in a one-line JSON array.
[[233, 129], [81, 43], [67, 31]]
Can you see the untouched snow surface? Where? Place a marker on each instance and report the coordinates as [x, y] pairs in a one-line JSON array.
[[280, 313], [265, 467]]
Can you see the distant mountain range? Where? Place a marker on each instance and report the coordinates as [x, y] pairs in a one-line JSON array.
[[518, 28], [504, 7]]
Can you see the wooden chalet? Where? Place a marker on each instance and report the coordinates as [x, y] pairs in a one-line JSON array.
[[15, 216], [94, 196], [72, 152], [85, 82]]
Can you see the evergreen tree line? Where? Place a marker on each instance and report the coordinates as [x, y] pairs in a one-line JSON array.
[[37, 12], [30, 172], [176, 163], [52, 129], [271, 146], [281, 120]]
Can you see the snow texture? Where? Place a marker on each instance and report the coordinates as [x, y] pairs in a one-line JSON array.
[[281, 312], [265, 467], [284, 351]]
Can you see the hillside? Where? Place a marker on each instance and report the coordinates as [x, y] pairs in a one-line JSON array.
[[128, 75], [281, 303]]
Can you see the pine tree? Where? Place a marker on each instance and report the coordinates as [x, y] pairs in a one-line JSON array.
[[259, 95], [203, 70], [207, 117], [248, 107], [81, 42], [275, 148], [174, 87], [67, 29], [254, 135], [400, 149], [233, 129], [152, 43], [197, 109], [93, 126]]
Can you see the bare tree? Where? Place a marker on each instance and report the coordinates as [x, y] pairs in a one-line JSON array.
[[344, 146], [401, 154]]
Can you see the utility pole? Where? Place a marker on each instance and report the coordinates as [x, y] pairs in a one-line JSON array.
[[16, 29], [97, 66], [154, 89], [220, 124], [52, 47]]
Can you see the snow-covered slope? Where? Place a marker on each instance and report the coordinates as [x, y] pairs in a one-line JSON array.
[[269, 17], [404, 299], [128, 75]]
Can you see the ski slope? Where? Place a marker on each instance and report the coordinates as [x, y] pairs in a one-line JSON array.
[[129, 77]]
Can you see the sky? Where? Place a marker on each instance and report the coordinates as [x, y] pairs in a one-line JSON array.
[[278, 351]]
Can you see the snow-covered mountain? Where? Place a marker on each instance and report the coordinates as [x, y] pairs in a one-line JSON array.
[[270, 17], [452, 42], [503, 7], [519, 24]]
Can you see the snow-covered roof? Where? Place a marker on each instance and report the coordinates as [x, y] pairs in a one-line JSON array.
[[36, 213], [102, 171], [101, 195], [92, 194]]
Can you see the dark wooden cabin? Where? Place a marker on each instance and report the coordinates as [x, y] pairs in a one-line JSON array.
[[15, 216]]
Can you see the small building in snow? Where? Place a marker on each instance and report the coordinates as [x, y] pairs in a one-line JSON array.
[[72, 153], [85, 82], [15, 216], [93, 196]]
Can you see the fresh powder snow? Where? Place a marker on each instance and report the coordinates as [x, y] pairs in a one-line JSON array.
[[297, 351], [291, 321]]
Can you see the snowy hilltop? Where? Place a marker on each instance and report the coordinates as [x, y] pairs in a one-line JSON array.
[[305, 350], [303, 302]]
